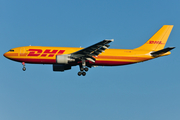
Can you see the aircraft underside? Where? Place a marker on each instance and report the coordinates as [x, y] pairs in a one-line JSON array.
[[62, 67]]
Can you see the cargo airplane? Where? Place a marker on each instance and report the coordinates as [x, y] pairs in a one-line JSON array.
[[63, 58]]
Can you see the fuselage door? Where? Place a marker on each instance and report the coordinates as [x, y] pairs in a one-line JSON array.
[[23, 51]]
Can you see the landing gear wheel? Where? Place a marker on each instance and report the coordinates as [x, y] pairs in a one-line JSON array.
[[81, 69], [86, 69], [83, 73], [79, 73], [24, 69]]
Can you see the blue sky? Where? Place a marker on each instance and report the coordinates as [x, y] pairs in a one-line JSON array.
[[143, 91]]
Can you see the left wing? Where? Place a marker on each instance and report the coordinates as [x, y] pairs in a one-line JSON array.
[[93, 50]]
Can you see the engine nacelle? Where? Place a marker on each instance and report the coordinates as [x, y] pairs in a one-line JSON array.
[[64, 59], [60, 67]]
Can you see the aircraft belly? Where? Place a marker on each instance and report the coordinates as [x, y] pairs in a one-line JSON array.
[[111, 63], [35, 60]]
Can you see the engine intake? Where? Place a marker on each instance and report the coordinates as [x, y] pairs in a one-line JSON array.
[[64, 59]]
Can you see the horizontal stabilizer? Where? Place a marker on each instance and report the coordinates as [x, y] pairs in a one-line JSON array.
[[160, 52]]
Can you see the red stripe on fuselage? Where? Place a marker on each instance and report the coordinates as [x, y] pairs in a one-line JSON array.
[[38, 61], [11, 54], [23, 54], [123, 57], [110, 63], [53, 61]]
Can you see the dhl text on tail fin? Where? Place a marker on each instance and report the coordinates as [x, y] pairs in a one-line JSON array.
[[158, 40], [63, 58]]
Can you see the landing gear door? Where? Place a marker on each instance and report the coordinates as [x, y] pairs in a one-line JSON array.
[[23, 52]]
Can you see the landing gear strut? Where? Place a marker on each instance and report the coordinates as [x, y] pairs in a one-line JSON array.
[[24, 68], [83, 68]]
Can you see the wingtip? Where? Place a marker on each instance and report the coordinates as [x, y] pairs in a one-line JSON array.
[[172, 47], [110, 40]]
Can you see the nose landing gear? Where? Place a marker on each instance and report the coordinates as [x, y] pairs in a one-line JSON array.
[[24, 68]]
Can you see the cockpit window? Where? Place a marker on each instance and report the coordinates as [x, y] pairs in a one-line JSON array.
[[11, 50]]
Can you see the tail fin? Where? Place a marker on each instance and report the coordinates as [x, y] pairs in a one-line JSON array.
[[158, 40]]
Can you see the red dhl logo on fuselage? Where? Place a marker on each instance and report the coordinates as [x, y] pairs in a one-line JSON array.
[[155, 42], [47, 52]]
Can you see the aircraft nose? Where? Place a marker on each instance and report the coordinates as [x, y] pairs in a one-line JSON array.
[[5, 54]]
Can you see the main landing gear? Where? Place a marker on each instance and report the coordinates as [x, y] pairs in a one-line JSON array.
[[83, 69], [24, 68]]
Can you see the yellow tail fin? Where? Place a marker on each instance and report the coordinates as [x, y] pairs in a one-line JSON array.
[[158, 40]]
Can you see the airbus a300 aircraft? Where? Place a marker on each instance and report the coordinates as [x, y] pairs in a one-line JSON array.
[[63, 58]]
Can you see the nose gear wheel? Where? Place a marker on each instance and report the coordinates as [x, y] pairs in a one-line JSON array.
[[24, 68]]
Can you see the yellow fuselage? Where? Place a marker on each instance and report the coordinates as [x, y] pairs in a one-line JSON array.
[[47, 55]]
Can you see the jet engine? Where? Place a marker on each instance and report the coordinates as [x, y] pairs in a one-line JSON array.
[[60, 67], [64, 59]]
